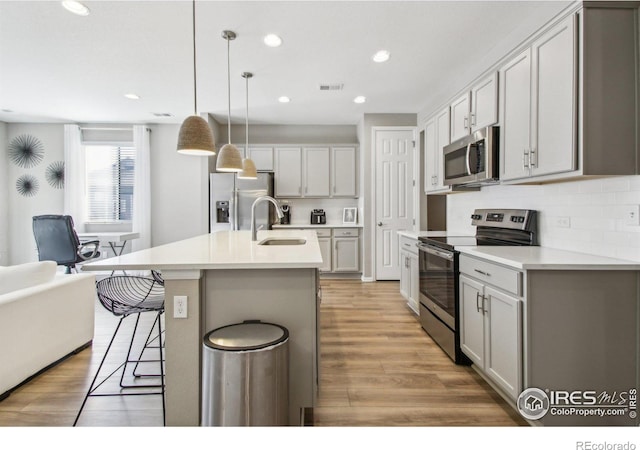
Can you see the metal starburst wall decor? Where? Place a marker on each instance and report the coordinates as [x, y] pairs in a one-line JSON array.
[[27, 185], [26, 151], [55, 174]]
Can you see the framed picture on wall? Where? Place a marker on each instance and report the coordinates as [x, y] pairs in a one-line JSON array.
[[350, 216]]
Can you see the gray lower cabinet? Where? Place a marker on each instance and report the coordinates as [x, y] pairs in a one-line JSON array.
[[563, 330], [491, 333], [409, 272], [346, 253]]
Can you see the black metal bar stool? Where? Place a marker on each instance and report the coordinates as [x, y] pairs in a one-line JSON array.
[[126, 296]]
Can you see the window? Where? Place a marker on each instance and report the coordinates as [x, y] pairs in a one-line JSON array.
[[109, 183]]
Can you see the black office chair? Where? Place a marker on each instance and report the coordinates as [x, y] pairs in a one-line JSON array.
[[125, 296], [57, 240]]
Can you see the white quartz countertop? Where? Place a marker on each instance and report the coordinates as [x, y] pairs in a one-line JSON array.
[[221, 250], [327, 225], [543, 258]]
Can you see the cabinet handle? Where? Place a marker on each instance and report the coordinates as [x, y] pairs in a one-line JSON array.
[[533, 158], [486, 274], [473, 119], [484, 311], [526, 159], [346, 233], [379, 224], [300, 190], [478, 301], [466, 122]]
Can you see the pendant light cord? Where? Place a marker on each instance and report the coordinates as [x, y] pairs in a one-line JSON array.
[[246, 148], [229, 92], [195, 83]]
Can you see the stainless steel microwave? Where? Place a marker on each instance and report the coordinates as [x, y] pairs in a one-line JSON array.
[[473, 159]]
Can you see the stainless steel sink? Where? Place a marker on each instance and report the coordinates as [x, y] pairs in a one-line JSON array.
[[282, 241]]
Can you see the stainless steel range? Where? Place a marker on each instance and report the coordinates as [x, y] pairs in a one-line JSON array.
[[439, 274]]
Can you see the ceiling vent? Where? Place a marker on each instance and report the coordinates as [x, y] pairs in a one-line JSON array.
[[162, 114], [331, 87]]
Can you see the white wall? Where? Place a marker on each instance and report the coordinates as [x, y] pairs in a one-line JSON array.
[[595, 209], [179, 189], [4, 196], [48, 200], [333, 207]]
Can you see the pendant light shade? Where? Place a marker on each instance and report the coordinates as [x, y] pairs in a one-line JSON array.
[[195, 136], [229, 159], [248, 167]]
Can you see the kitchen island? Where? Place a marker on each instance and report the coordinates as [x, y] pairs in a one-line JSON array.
[[227, 278]]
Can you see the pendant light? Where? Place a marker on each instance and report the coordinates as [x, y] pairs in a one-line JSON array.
[[195, 136], [248, 166], [229, 159]]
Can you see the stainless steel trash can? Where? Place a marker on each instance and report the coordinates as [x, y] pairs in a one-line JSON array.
[[245, 375]]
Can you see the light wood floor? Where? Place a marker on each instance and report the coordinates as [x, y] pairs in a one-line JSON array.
[[378, 368]]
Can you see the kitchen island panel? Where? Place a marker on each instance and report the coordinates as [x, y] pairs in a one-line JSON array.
[[285, 297]]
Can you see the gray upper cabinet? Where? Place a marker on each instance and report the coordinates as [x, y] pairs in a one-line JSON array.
[[475, 109], [567, 100], [538, 113], [315, 171], [262, 157], [343, 172], [288, 172]]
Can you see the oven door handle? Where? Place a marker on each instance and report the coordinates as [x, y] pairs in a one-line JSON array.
[[441, 253]]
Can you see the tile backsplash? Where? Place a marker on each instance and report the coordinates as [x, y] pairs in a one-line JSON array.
[[587, 216]]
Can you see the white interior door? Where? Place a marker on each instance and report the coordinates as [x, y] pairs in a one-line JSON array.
[[394, 197]]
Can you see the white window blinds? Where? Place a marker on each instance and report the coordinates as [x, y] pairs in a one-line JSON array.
[[109, 183]]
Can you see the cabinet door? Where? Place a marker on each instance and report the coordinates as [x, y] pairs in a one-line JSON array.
[[325, 251], [484, 103], [414, 282], [443, 138], [405, 275], [346, 255], [503, 340], [288, 173], [343, 172], [460, 117], [554, 61], [262, 157], [316, 172], [472, 320], [515, 117], [430, 164]]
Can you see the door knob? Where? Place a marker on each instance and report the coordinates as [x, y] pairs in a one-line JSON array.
[[379, 224]]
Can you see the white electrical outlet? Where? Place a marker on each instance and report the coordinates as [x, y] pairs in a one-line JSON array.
[[632, 215], [563, 222], [180, 307]]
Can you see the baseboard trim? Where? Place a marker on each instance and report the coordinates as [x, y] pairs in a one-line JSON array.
[[7, 393]]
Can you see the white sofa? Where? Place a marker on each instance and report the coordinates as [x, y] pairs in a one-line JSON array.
[[44, 317]]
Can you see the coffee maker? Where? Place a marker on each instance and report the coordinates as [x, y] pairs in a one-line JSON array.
[[286, 211]]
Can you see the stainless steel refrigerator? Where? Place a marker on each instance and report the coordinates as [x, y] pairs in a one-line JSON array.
[[231, 200]]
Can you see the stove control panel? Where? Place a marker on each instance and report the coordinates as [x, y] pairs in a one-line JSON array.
[[517, 219]]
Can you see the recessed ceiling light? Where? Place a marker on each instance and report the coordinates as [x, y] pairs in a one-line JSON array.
[[273, 40], [381, 56], [75, 7], [132, 96], [360, 99], [284, 99]]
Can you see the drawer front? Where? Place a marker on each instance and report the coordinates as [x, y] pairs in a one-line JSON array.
[[408, 245], [506, 279], [345, 232], [323, 232]]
